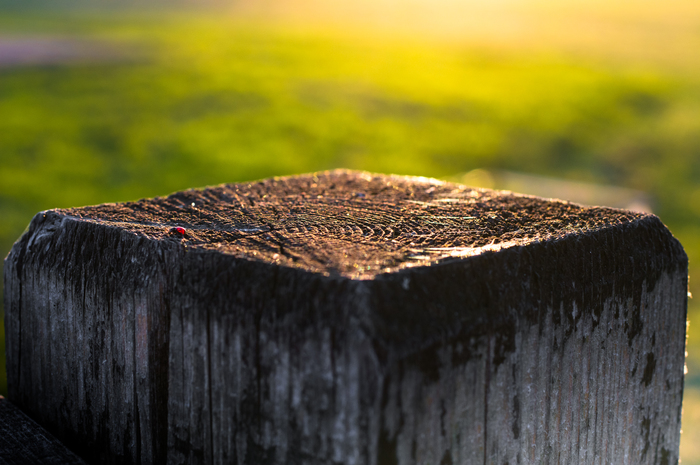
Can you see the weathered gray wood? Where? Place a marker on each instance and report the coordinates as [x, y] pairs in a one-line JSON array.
[[351, 318], [22, 441]]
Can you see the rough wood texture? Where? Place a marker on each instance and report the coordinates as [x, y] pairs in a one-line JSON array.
[[350, 318], [23, 442]]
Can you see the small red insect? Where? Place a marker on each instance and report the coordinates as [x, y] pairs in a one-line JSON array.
[[179, 230]]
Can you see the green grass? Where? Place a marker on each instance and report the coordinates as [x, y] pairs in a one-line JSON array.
[[194, 101], [210, 102]]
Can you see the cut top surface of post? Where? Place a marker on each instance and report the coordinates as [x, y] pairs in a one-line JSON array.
[[349, 223]]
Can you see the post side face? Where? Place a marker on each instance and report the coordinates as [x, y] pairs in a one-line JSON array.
[[566, 370], [89, 329], [592, 399], [270, 332], [269, 366]]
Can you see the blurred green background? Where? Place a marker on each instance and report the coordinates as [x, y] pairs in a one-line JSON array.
[[106, 103]]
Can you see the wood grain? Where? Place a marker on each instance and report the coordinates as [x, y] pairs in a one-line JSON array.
[[347, 317]]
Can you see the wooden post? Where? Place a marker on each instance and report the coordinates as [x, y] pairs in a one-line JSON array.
[[347, 317]]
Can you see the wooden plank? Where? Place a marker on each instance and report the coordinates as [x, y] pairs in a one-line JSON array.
[[23, 441], [346, 317]]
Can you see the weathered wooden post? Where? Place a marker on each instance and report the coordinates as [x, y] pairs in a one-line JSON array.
[[345, 317]]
